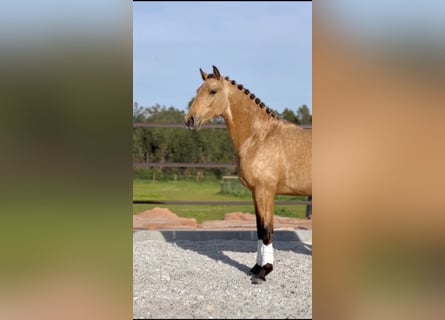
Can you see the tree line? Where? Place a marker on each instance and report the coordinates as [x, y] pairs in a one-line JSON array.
[[165, 145]]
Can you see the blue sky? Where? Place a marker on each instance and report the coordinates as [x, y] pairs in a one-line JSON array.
[[266, 46]]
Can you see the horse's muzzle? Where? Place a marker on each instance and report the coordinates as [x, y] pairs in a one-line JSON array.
[[193, 123], [190, 122]]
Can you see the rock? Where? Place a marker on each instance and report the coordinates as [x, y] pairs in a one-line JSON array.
[[161, 218], [240, 216]]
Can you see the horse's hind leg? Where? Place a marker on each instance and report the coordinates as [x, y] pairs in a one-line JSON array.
[[264, 209]]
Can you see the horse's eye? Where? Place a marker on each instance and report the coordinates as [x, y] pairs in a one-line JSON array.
[[212, 92]]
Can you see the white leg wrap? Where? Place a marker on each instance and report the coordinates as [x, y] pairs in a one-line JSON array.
[[258, 252], [266, 254]]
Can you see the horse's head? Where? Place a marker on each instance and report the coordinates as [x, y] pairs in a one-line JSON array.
[[211, 100]]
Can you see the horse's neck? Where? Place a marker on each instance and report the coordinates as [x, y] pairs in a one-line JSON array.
[[244, 119]]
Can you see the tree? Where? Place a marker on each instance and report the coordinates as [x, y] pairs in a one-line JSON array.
[[290, 116], [304, 115], [180, 145], [138, 113]]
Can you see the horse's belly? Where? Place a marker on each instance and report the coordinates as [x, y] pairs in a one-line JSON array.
[[283, 169], [295, 183], [285, 183], [294, 191]]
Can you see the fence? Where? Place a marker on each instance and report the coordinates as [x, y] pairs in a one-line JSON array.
[[307, 203]]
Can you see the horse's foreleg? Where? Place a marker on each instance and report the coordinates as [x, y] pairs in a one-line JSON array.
[[264, 209]]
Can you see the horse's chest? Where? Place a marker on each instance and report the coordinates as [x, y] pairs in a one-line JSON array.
[[255, 169]]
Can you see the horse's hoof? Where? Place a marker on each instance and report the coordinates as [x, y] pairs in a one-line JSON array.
[[255, 270], [260, 277], [267, 268]]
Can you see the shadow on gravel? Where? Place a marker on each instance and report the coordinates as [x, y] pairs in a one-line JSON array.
[[283, 240]]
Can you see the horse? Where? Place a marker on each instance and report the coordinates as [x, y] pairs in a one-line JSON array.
[[274, 155]]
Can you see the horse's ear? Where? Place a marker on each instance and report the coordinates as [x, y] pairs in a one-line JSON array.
[[203, 74], [216, 73]]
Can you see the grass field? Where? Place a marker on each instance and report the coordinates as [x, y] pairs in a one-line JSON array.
[[201, 191]]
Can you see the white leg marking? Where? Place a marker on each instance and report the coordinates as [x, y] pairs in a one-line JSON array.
[[266, 254], [258, 252]]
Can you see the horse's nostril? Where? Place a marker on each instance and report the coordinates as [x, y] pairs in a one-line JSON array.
[[191, 122]]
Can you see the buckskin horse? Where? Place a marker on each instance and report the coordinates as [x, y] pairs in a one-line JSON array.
[[274, 155]]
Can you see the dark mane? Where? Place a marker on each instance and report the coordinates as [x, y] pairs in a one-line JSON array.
[[257, 101]]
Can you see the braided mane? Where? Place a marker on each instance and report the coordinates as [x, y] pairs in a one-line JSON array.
[[258, 102]]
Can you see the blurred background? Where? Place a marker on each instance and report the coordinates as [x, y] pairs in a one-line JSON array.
[[66, 121], [66, 165], [378, 110]]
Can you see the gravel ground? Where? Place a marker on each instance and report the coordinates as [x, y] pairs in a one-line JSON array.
[[209, 279]]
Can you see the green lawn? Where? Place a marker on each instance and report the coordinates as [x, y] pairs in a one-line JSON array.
[[200, 191]]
